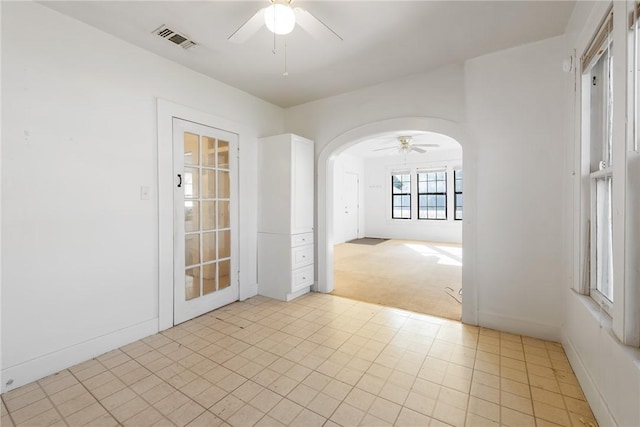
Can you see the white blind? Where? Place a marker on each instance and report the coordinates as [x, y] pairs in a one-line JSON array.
[[599, 43]]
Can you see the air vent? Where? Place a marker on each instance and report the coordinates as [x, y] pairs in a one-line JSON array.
[[174, 37]]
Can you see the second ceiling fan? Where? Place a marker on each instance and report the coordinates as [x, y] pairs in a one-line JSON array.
[[406, 146]]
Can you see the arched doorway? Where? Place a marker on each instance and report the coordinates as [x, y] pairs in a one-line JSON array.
[[325, 189]]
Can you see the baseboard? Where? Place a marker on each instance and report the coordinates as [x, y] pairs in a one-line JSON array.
[[42, 366], [597, 403], [520, 326]]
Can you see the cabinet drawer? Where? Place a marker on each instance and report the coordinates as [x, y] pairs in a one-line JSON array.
[[301, 256], [301, 239], [302, 278]]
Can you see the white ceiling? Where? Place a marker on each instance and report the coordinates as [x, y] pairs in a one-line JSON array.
[[383, 40]]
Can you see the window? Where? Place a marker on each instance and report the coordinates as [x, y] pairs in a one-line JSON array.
[[597, 76], [401, 196], [432, 195], [457, 178]]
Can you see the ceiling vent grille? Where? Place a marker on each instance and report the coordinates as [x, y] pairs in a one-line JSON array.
[[174, 37]]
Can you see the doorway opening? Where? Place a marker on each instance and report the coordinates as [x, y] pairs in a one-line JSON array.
[[397, 222]]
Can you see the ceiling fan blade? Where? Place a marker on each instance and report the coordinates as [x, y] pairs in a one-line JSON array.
[[419, 150], [314, 26], [426, 145], [386, 148], [249, 28]]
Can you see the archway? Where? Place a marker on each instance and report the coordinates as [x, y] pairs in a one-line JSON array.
[[325, 190]]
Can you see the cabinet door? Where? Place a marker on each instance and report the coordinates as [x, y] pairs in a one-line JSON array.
[[302, 185]]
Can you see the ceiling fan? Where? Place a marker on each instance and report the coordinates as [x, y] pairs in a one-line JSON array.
[[406, 146], [280, 18]]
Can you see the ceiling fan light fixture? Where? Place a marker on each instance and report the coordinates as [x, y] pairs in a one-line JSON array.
[[279, 19]]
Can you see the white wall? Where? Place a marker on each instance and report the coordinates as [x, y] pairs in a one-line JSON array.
[[377, 204], [346, 163], [608, 371], [516, 113], [80, 248]]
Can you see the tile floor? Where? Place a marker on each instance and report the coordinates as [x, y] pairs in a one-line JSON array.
[[318, 361]]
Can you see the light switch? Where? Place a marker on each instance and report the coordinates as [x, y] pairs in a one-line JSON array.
[[144, 193]]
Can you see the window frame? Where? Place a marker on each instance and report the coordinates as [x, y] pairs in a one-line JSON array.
[[436, 193], [455, 195], [394, 194], [600, 49]]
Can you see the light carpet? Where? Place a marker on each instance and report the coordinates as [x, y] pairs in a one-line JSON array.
[[406, 274]]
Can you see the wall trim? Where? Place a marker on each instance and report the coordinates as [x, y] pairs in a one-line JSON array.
[[40, 367], [594, 398], [520, 326]]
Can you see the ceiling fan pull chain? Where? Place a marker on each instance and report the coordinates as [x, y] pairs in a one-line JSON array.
[[274, 44], [286, 73]]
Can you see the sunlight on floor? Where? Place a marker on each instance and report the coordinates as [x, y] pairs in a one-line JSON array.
[[437, 251]]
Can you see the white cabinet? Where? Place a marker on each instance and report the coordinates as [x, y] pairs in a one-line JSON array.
[[285, 216]]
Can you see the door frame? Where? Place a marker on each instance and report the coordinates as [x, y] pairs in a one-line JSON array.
[[166, 111], [357, 175]]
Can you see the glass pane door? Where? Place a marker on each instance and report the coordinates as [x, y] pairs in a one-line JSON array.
[[204, 234], [206, 215]]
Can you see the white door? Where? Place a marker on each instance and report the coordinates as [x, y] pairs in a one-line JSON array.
[[351, 206], [205, 219]]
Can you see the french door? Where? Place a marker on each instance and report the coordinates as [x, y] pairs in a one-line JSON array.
[[205, 219]]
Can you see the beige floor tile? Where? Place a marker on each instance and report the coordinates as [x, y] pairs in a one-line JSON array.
[[474, 420], [360, 399], [285, 411], [324, 404], [338, 390], [347, 415], [338, 362], [19, 401], [385, 410], [515, 387], [516, 402], [31, 410], [582, 420], [551, 413], [571, 390], [206, 419], [45, 418], [317, 381], [75, 404], [105, 420], [409, 418], [145, 418], [185, 413], [420, 403], [513, 418], [372, 421], [485, 392], [449, 414], [394, 393], [307, 418]]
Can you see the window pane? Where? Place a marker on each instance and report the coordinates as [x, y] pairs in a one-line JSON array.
[[458, 213], [422, 187], [191, 153], [604, 246], [458, 200], [441, 187], [208, 151], [441, 201]]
